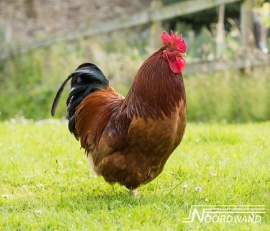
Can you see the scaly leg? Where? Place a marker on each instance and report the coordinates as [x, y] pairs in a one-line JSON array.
[[133, 192]]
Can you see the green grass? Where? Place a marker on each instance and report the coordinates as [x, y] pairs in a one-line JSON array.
[[46, 183]]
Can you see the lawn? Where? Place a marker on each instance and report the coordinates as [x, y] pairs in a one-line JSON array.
[[46, 183]]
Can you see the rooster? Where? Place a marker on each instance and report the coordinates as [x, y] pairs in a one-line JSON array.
[[129, 139]]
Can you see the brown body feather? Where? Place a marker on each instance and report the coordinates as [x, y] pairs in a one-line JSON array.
[[129, 140]]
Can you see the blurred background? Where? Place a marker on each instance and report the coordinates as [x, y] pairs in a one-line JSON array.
[[228, 64]]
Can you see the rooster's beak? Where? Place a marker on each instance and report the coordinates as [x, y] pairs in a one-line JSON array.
[[183, 54]]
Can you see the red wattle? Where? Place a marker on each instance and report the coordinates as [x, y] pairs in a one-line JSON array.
[[176, 64]]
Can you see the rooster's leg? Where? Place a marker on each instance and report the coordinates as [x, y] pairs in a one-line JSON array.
[[134, 192]]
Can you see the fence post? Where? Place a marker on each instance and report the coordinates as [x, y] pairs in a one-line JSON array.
[[156, 27], [246, 24], [220, 31]]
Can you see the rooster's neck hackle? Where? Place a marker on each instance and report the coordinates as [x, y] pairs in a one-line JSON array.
[[156, 90]]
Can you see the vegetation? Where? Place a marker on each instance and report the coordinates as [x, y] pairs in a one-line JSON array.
[[29, 82], [46, 183], [229, 96]]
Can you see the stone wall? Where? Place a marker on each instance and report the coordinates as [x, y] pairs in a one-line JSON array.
[[22, 21]]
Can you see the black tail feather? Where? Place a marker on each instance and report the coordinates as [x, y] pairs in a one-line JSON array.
[[86, 79], [58, 95]]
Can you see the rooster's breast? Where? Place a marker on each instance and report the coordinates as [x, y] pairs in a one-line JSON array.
[[148, 145]]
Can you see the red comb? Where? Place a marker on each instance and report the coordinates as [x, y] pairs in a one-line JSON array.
[[174, 39]]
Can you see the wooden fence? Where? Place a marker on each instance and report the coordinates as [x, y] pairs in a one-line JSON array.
[[248, 60], [154, 16]]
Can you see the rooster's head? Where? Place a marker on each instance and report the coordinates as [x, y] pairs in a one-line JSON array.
[[175, 50]]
